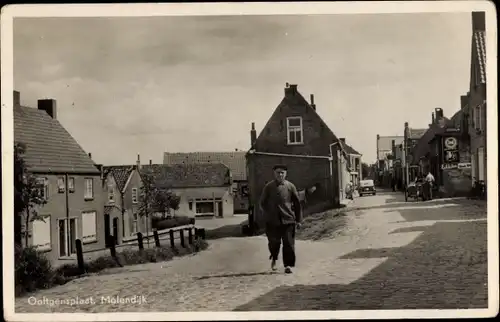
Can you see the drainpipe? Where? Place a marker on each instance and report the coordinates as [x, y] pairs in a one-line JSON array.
[[66, 192]]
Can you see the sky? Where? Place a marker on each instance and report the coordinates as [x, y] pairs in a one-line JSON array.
[[147, 85]]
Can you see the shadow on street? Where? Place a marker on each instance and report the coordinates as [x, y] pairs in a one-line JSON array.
[[236, 275], [444, 268]]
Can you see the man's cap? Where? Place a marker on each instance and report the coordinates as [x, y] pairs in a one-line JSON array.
[[280, 166]]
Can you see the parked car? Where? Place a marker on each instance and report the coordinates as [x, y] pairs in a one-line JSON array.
[[366, 187]]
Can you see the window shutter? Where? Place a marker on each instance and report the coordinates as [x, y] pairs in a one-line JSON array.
[[41, 234], [89, 233]]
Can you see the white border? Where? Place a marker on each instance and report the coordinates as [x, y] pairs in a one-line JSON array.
[[191, 9]]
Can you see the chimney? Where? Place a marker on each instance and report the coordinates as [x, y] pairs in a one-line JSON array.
[[312, 102], [463, 101], [138, 162], [439, 113], [90, 155], [342, 139], [290, 90], [433, 118], [253, 136], [101, 170], [478, 21], [150, 162], [17, 98], [49, 106]]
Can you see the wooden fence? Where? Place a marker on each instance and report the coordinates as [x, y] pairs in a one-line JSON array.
[[192, 233]]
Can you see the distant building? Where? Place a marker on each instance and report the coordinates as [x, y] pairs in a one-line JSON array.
[[235, 161], [352, 166], [384, 161], [204, 188], [69, 180]]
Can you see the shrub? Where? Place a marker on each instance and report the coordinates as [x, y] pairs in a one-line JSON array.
[[32, 270], [176, 221]]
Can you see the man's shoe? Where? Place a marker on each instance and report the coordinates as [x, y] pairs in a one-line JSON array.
[[273, 265], [288, 270]]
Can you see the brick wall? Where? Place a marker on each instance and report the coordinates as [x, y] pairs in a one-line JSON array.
[[303, 172]]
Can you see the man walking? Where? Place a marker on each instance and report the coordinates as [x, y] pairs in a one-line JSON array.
[[429, 181], [282, 213]]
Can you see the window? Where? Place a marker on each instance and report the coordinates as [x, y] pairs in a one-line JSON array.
[[111, 195], [477, 118], [134, 195], [89, 227], [205, 207], [41, 236], [89, 188], [190, 205], [71, 184], [134, 224], [43, 187], [61, 185], [294, 130]]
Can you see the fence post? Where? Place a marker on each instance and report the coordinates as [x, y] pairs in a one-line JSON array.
[[157, 238], [183, 243], [79, 256], [172, 238], [112, 247], [201, 231], [139, 241], [190, 235]]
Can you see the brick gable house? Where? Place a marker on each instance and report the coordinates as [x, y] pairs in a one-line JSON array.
[[70, 180], [295, 135], [476, 102], [121, 186]]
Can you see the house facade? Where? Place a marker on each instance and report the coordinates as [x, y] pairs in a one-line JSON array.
[[122, 186], [351, 165], [476, 99], [69, 181], [204, 188], [410, 166], [235, 161], [295, 135], [449, 156]]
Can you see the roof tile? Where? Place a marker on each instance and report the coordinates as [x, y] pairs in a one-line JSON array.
[[235, 161], [121, 173], [196, 175], [49, 147]]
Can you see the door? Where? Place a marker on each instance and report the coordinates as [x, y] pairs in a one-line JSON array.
[[219, 206], [107, 227], [67, 237], [480, 163], [115, 230]]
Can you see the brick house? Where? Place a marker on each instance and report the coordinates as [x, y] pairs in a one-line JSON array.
[[295, 135], [449, 156], [204, 188], [69, 179], [476, 98], [121, 186], [235, 161]]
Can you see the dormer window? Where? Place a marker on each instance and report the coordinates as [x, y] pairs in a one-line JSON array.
[[294, 130]]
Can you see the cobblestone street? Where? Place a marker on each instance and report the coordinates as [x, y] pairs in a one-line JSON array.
[[391, 255]]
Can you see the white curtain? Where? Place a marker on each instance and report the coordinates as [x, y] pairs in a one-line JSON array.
[[89, 228]]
